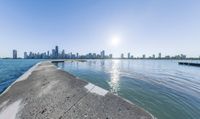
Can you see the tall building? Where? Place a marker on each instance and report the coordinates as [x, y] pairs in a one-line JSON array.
[[48, 54], [53, 54], [122, 56], [56, 52], [77, 55], [63, 54], [144, 56], [159, 56], [14, 54], [129, 55], [103, 54], [110, 56], [70, 55], [153, 56], [94, 55], [25, 55]]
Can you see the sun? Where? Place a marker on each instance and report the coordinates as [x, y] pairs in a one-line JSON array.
[[115, 41]]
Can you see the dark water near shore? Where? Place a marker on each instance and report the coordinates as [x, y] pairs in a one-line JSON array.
[[11, 69], [164, 88]]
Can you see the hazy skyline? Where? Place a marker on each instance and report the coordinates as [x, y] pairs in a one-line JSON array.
[[142, 27]]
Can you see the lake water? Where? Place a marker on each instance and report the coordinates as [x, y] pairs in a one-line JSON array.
[[11, 69], [164, 88]]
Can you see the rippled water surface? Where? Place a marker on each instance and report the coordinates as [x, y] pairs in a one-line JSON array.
[[11, 69], [164, 88]]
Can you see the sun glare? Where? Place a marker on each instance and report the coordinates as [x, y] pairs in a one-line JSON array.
[[115, 41]]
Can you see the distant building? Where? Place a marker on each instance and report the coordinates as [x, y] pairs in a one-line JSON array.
[[144, 56], [183, 56], [159, 56], [48, 54], [77, 55], [89, 56], [14, 54], [132, 56], [70, 55], [167, 57], [103, 54], [56, 52], [25, 55], [53, 54], [153, 56], [110, 56], [63, 54], [129, 56], [122, 56]]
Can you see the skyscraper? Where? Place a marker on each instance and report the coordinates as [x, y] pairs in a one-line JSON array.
[[110, 56], [153, 56], [129, 55], [25, 55], [77, 55], [102, 54], [14, 54], [63, 54], [144, 56], [53, 54], [94, 55], [48, 54], [122, 56], [56, 52], [159, 56]]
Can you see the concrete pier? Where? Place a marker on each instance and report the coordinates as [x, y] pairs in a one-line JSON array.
[[189, 64], [45, 92]]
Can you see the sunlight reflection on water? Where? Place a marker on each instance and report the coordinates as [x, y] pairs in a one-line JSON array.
[[164, 88], [114, 79]]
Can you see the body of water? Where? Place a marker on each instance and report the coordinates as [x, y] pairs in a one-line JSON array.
[[11, 69], [164, 88]]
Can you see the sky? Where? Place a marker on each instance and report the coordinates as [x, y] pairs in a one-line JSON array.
[[141, 26]]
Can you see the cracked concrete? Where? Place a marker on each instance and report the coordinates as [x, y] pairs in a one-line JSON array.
[[50, 93]]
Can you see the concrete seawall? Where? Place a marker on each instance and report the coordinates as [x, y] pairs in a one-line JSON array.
[[51, 93]]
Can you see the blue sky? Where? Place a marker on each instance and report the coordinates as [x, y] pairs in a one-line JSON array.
[[143, 26]]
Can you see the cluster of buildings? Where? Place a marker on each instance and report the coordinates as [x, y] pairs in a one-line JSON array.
[[56, 54], [181, 56]]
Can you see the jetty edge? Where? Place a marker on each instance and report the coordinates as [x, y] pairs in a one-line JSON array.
[[45, 91], [189, 64]]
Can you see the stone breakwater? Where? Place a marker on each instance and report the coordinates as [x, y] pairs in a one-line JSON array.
[[46, 92]]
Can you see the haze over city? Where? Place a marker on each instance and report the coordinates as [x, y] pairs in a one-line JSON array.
[[116, 26]]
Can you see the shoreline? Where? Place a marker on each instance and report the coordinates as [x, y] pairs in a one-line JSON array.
[[44, 81], [22, 77]]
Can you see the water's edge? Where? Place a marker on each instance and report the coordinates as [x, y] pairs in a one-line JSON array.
[[153, 117], [25, 76]]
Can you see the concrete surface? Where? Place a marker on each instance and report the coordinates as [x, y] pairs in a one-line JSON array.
[[50, 93]]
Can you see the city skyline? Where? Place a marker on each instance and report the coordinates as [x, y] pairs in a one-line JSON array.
[[56, 53], [140, 27]]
